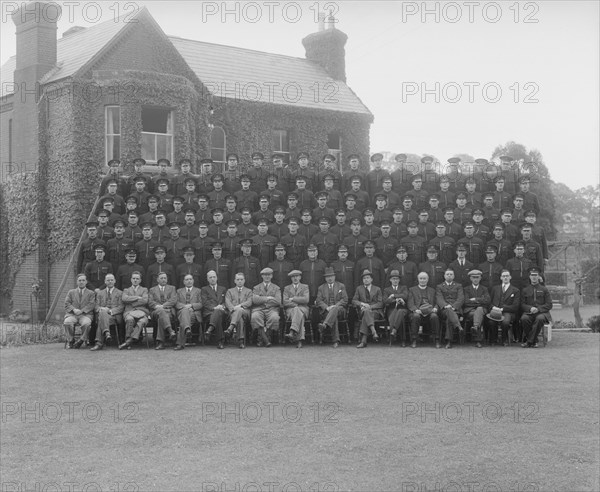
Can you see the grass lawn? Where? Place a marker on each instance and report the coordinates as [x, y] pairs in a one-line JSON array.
[[314, 419]]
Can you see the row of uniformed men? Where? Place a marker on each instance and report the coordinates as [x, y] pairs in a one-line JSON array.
[[483, 173]]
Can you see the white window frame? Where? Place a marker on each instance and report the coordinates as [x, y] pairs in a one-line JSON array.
[[222, 150], [337, 153], [282, 134], [109, 137], [152, 160]]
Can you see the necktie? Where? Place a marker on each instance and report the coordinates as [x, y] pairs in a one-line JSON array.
[[188, 296], [504, 287], [80, 295], [239, 295], [162, 294], [109, 296], [368, 294]]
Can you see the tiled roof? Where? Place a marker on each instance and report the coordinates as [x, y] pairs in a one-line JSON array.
[[266, 77], [73, 52], [225, 70]]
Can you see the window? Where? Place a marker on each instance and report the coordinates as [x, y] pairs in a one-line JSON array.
[[334, 146], [157, 134], [112, 132], [281, 144], [217, 145]]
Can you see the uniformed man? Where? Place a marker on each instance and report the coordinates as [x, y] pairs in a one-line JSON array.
[[312, 270], [434, 267], [221, 266], [95, 271], [294, 243], [536, 304], [87, 250], [491, 269], [123, 276], [281, 267], [189, 267], [146, 246], [477, 300], [246, 263], [376, 175], [258, 173], [158, 267]]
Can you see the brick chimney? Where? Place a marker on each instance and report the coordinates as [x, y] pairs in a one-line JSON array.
[[326, 47], [36, 55]]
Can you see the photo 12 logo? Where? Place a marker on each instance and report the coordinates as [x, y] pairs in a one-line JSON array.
[[72, 11], [470, 92], [253, 12], [471, 12]]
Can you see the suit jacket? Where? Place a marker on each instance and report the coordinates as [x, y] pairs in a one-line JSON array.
[[260, 294], [115, 303], [375, 300], [86, 304], [244, 299], [509, 301], [131, 301], [170, 297], [301, 294], [211, 299], [340, 296], [195, 299], [390, 302], [415, 295], [291, 298], [482, 297], [452, 294]]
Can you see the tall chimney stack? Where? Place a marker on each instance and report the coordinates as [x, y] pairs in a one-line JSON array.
[[326, 47], [36, 24]]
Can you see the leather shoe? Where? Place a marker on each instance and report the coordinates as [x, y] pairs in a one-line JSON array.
[[125, 345], [448, 345], [290, 336], [108, 339], [177, 347], [478, 345], [220, 346], [525, 345], [393, 333], [268, 344], [437, 345], [172, 336], [361, 345], [78, 343], [336, 345], [70, 344], [159, 346], [98, 346], [229, 331], [242, 345], [321, 327], [209, 331], [414, 344], [534, 345]]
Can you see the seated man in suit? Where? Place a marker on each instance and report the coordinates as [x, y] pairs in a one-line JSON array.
[[536, 303], [395, 298], [423, 309], [214, 311], [238, 301], [450, 298], [161, 301], [295, 303], [188, 306], [332, 300], [79, 309], [136, 311], [266, 301], [505, 303], [477, 300], [368, 298], [109, 311]]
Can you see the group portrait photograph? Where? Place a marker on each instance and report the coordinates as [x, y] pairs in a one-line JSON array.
[[300, 246]]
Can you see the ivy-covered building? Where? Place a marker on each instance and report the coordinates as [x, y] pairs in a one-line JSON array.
[[122, 89]]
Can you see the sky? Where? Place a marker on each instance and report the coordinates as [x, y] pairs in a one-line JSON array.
[[441, 78]]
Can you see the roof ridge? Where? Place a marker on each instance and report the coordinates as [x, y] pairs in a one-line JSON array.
[[236, 47]]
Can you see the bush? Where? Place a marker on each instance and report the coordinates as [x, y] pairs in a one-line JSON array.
[[594, 323]]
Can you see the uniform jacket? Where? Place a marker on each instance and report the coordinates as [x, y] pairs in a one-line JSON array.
[[131, 302], [86, 304], [509, 301], [115, 303], [450, 294], [536, 296], [340, 295], [195, 299]]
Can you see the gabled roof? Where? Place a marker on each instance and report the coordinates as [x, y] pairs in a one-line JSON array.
[[300, 82], [73, 52], [260, 76]]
